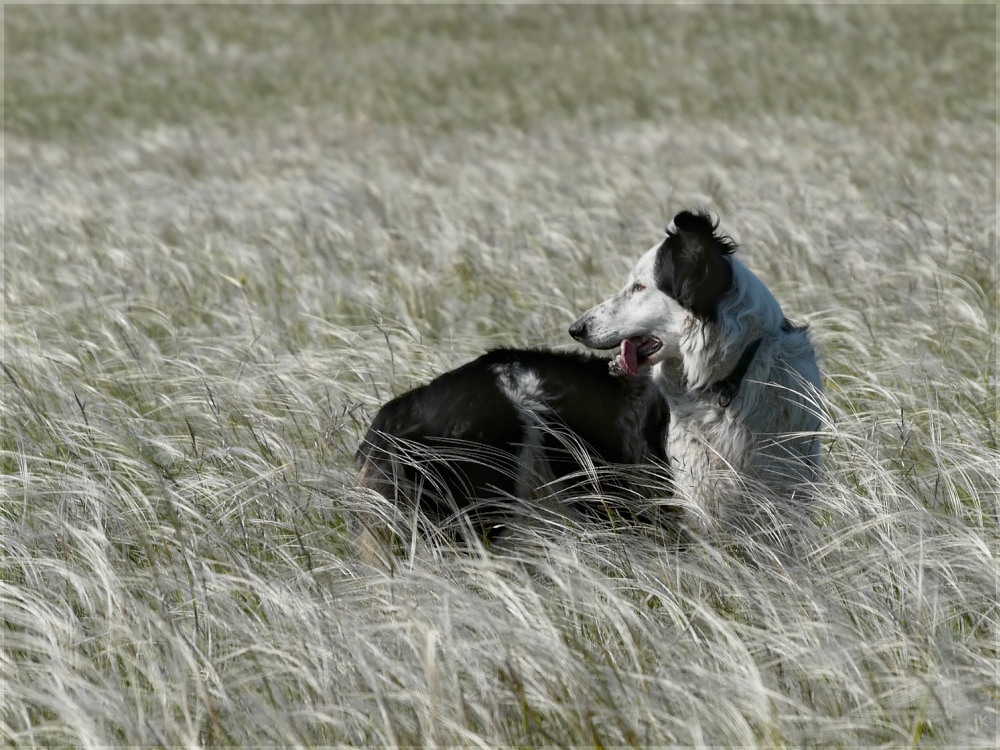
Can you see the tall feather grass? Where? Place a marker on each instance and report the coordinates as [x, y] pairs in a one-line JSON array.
[[200, 321]]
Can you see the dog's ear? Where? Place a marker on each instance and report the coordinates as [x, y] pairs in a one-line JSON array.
[[700, 270]]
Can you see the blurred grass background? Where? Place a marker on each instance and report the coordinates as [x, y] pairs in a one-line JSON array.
[[80, 71]]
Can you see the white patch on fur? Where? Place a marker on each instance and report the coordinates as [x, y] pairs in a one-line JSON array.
[[524, 389]]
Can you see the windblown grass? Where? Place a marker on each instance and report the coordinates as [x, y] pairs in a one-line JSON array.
[[231, 234]]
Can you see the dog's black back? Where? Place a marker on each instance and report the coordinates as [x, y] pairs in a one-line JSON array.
[[463, 438]]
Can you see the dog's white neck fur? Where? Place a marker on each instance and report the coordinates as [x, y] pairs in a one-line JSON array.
[[764, 440]]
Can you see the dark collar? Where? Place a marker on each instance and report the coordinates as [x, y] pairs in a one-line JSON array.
[[729, 387]]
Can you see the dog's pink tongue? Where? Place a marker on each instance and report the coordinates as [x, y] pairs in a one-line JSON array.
[[628, 358]]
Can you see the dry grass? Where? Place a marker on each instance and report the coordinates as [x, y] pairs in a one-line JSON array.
[[230, 234]]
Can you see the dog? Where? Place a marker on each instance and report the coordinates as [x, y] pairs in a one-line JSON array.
[[741, 382], [509, 434]]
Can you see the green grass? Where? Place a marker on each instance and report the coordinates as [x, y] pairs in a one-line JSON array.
[[230, 234]]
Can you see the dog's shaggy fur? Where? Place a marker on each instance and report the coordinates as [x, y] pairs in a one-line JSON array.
[[509, 434], [704, 347], [741, 381]]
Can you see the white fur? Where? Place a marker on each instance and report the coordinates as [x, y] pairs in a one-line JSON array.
[[524, 389], [765, 440]]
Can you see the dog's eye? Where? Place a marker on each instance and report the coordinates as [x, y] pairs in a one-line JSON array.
[[638, 287]]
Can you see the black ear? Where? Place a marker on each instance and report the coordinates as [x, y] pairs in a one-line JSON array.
[[702, 273]]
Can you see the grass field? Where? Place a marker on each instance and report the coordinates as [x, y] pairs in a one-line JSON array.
[[230, 234]]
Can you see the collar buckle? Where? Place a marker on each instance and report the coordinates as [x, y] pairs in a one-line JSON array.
[[728, 388]]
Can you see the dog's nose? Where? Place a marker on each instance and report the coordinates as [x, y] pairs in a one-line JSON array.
[[579, 329]]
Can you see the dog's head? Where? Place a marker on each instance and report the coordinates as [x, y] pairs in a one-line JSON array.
[[687, 274]]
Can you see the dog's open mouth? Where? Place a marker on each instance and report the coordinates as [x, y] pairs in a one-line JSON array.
[[634, 355]]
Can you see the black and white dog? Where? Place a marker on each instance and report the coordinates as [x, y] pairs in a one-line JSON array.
[[741, 381], [710, 377]]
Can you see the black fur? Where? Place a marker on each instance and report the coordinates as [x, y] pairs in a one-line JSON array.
[[468, 404], [692, 264]]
